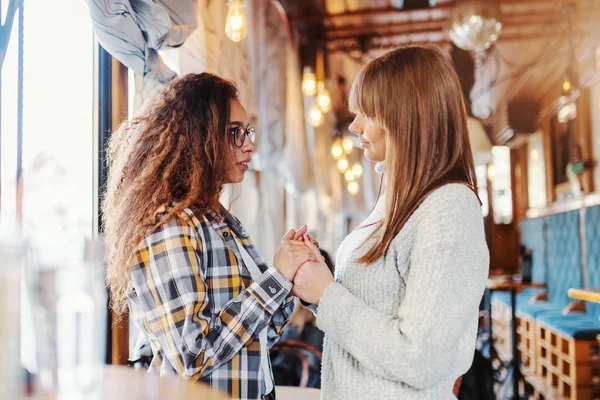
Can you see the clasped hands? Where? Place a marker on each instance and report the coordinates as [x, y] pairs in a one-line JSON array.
[[299, 260]]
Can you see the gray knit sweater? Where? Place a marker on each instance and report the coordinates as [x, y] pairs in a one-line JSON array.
[[405, 326]]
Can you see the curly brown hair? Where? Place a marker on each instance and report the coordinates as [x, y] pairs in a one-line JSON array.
[[168, 158]]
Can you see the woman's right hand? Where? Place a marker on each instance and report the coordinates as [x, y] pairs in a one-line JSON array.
[[292, 253]]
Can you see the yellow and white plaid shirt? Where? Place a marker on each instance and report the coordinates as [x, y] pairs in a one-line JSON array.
[[196, 301]]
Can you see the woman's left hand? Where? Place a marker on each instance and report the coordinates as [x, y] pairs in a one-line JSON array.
[[312, 278]]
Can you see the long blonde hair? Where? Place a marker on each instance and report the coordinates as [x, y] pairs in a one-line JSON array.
[[413, 92], [169, 158]]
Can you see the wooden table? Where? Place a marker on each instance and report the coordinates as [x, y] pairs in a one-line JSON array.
[[514, 286], [296, 393], [126, 383], [591, 295], [518, 286]]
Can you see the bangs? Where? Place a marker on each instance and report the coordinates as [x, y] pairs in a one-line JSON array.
[[363, 99]]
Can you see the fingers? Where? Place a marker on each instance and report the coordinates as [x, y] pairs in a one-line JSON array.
[[298, 251], [314, 249], [289, 235], [295, 234], [300, 232]]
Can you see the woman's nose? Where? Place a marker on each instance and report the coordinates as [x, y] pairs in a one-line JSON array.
[[249, 146]]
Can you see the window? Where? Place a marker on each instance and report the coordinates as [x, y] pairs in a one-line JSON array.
[[563, 142], [499, 175], [57, 135], [58, 123], [536, 171], [481, 173]]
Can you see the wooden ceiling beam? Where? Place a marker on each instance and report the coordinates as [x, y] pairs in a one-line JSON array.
[[333, 33], [352, 45], [366, 12], [391, 33], [388, 46], [446, 8], [545, 19], [422, 27]]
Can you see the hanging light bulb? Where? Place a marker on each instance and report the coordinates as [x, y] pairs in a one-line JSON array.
[[353, 187], [336, 150], [491, 172], [342, 165], [323, 97], [236, 27], [358, 170], [535, 155], [309, 82], [348, 145], [316, 116], [349, 175], [567, 85]]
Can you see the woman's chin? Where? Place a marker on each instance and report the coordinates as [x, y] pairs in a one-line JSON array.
[[372, 157], [238, 177]]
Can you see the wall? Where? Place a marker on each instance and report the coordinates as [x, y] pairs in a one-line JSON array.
[[595, 116]]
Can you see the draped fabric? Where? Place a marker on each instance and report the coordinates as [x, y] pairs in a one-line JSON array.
[[134, 30], [296, 166], [268, 48]]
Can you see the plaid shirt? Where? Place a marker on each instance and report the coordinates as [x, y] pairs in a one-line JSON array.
[[196, 301]]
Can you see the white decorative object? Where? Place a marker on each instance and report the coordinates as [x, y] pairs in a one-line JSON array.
[[567, 110], [480, 142], [475, 24]]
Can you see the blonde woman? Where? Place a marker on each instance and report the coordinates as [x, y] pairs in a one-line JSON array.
[[400, 318]]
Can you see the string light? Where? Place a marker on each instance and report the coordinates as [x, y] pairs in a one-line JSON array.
[[336, 150], [349, 175], [353, 187], [309, 82], [316, 116], [358, 170], [491, 172], [323, 97], [348, 145], [342, 165], [236, 26]]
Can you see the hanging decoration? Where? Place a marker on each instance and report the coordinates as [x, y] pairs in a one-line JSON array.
[[309, 82], [342, 165], [349, 175], [236, 26], [475, 24], [316, 115], [323, 98], [336, 149], [347, 144], [353, 187]]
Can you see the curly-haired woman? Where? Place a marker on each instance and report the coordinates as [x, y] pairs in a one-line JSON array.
[[183, 265]]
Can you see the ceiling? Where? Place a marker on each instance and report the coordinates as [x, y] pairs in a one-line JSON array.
[[527, 62]]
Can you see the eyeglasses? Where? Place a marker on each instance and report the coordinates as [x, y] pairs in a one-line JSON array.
[[240, 134]]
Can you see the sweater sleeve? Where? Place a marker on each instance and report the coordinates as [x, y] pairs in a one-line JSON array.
[[420, 344]]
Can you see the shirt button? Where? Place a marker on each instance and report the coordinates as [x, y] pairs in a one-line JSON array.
[[225, 234]]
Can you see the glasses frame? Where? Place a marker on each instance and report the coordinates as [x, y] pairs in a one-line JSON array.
[[248, 132]]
